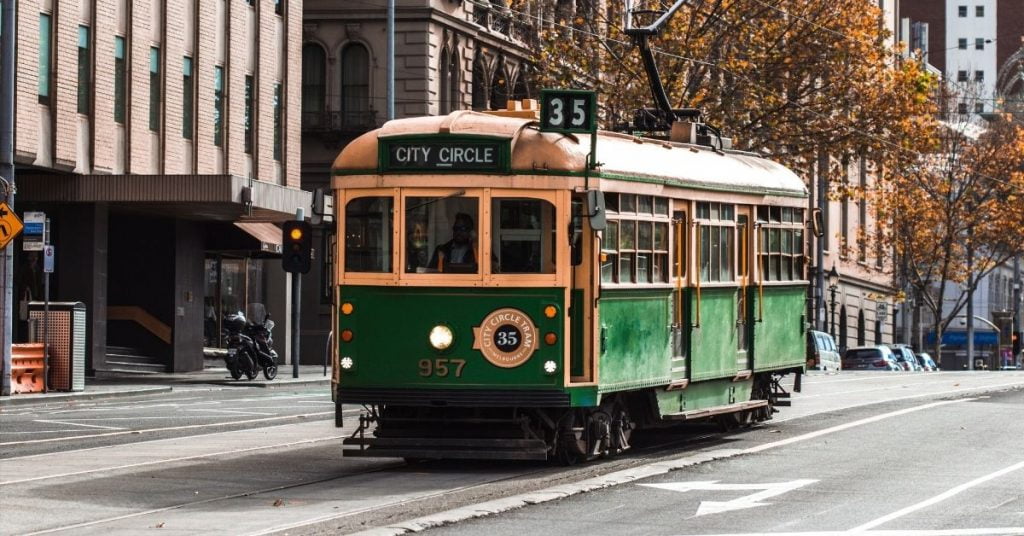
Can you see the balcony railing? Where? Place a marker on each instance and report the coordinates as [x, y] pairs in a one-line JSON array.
[[339, 121], [500, 20]]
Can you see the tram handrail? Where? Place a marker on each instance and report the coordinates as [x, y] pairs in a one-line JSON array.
[[698, 244]]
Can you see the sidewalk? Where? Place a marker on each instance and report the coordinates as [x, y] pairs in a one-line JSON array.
[[117, 385]]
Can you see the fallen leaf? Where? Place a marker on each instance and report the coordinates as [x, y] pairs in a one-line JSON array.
[[279, 502], [159, 525]]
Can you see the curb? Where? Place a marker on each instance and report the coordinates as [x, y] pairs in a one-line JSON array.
[[266, 384], [20, 400]]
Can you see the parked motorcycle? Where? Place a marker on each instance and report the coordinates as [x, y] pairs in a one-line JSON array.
[[250, 347]]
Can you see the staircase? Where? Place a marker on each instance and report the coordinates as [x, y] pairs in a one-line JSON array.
[[133, 360]]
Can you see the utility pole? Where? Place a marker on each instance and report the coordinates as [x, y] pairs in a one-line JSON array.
[[819, 252], [1016, 298], [7, 10], [970, 304], [391, 60]]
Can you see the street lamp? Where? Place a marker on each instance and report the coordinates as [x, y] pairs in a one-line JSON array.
[[833, 286]]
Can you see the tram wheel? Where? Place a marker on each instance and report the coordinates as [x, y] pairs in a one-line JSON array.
[[571, 440], [621, 428]]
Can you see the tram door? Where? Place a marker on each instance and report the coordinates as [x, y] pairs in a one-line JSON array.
[[585, 249], [744, 298], [679, 364]]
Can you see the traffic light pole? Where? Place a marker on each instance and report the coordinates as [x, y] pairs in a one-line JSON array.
[[296, 307]]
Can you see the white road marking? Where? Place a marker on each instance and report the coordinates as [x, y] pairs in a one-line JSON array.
[[996, 531], [168, 428], [231, 411], [69, 423], [938, 498], [747, 501]]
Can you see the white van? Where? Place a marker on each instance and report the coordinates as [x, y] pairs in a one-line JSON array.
[[822, 353]]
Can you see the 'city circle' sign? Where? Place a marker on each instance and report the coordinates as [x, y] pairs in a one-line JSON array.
[[506, 337], [443, 155]]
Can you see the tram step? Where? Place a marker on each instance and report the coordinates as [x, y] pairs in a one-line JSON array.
[[463, 454], [783, 403], [716, 410], [445, 442]]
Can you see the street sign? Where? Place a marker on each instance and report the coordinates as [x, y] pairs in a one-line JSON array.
[[10, 225], [48, 259], [35, 228]]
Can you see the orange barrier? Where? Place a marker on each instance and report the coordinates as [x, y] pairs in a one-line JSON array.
[[27, 368]]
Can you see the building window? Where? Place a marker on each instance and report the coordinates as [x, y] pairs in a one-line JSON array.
[[84, 70], [979, 107], [634, 247], [277, 121], [979, 44], [861, 328], [45, 58], [961, 76], [479, 95], [314, 81], [218, 106], [961, 108], [442, 75], [454, 95], [248, 114], [781, 244], [187, 90], [979, 11], [279, 7], [962, 43], [878, 332], [154, 88], [355, 85], [961, 11], [717, 241], [979, 76], [119, 79]]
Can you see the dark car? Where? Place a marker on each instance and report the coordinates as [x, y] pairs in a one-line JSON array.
[[906, 358], [870, 358]]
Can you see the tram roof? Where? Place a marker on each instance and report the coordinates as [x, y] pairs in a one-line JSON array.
[[618, 155]]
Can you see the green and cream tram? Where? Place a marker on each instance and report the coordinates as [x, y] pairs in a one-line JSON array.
[[505, 292]]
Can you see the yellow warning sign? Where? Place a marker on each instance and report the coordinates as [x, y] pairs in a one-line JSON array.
[[10, 225]]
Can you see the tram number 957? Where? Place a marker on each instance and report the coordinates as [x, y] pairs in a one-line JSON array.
[[441, 367], [567, 111]]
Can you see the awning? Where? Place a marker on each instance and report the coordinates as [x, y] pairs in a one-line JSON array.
[[267, 234]]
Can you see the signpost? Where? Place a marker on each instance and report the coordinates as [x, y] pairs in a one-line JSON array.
[[35, 228], [48, 258]]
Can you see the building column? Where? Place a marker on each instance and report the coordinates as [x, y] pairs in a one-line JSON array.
[[189, 290], [81, 270]]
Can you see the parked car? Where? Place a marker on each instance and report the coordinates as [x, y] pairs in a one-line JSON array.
[[905, 357], [927, 362], [822, 353], [870, 358]]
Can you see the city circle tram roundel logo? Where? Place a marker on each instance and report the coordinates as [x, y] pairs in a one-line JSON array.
[[506, 337]]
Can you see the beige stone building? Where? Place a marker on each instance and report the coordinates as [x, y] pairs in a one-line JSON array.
[[162, 139]]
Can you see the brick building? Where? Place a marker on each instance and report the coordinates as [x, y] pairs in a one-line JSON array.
[[161, 138]]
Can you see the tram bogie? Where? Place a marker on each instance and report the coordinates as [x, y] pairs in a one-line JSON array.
[[491, 308]]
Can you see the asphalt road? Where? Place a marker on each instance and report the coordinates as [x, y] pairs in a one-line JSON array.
[[274, 478]]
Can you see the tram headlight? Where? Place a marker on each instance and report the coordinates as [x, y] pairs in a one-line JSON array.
[[441, 337], [347, 363], [550, 367]]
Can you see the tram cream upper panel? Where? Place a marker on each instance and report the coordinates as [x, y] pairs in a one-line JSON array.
[[618, 154]]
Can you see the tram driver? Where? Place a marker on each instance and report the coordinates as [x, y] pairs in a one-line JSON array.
[[457, 255]]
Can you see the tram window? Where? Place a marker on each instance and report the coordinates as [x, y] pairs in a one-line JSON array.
[[781, 246], [610, 252], [717, 241], [368, 243], [660, 266], [661, 206], [627, 250], [611, 202], [441, 235], [627, 203], [523, 236], [645, 204]]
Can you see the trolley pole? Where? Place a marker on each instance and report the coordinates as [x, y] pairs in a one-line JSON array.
[[7, 10], [296, 308]]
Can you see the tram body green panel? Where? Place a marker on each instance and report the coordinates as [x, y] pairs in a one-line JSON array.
[[702, 395], [713, 343], [780, 336], [391, 325], [635, 350]]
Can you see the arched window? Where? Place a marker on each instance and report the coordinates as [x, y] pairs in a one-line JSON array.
[[454, 70], [355, 85], [878, 332], [314, 82], [842, 329], [521, 91], [479, 86], [861, 328], [499, 89], [443, 93]]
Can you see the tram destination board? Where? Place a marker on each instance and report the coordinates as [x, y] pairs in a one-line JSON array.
[[445, 155], [568, 110]]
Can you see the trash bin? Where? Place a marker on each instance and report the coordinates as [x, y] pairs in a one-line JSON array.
[[66, 340]]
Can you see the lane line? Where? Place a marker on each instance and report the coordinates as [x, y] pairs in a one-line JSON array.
[[995, 531], [169, 428], [48, 421], [229, 411], [938, 498]]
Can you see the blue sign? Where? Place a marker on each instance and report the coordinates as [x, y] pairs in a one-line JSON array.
[[959, 338]]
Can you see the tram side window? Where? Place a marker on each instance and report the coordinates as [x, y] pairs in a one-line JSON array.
[[441, 235], [523, 236], [634, 245], [781, 243], [368, 232], [717, 241]]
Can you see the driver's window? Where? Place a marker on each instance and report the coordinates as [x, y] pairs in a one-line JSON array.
[[522, 236], [441, 235]]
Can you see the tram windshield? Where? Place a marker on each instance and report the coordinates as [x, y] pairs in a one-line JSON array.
[[441, 235]]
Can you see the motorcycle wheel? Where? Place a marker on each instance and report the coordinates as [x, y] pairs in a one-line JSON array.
[[270, 372], [248, 365], [235, 373]]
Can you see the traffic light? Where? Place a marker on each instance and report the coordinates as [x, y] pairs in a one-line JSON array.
[[298, 246]]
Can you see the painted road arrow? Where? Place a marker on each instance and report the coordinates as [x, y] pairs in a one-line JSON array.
[[747, 501]]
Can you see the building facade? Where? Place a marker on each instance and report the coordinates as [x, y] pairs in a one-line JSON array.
[[161, 139]]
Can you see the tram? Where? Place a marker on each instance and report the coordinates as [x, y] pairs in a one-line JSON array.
[[510, 291]]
